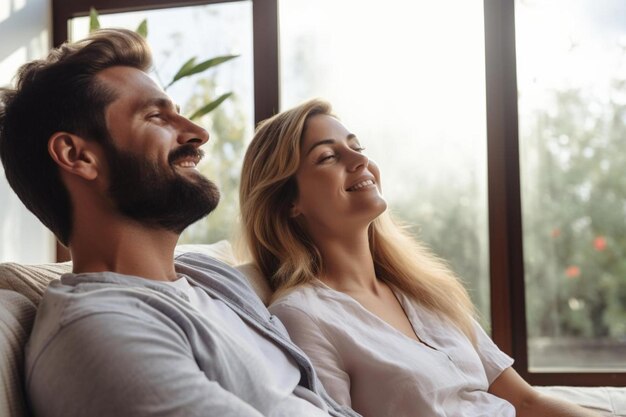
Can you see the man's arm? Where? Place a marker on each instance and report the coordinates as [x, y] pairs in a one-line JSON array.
[[110, 364], [528, 402]]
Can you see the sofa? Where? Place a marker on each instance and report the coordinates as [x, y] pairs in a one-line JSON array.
[[21, 288]]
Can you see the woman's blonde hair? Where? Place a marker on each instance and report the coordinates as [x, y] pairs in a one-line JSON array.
[[284, 251]]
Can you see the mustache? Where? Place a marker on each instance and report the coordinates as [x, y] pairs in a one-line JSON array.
[[184, 151]]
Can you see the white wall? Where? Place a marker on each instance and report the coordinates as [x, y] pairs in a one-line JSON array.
[[25, 34]]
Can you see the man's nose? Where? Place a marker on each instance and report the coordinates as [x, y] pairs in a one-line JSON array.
[[193, 133]]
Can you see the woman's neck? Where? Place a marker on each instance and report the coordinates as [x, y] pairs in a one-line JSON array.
[[348, 265]]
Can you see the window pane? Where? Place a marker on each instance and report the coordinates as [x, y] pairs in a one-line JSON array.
[[25, 35], [572, 108], [409, 79], [208, 31]]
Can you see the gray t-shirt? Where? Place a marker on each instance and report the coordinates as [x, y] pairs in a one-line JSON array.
[[106, 344]]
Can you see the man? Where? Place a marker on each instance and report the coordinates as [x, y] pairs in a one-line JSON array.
[[98, 152]]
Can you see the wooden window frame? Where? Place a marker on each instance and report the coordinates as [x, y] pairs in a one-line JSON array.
[[507, 291], [508, 307]]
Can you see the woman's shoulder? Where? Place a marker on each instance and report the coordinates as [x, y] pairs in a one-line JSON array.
[[301, 295], [313, 299], [315, 302]]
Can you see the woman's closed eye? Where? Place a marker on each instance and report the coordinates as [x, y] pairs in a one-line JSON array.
[[325, 157], [329, 156]]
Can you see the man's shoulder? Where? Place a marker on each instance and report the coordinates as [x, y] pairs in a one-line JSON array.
[[67, 304], [207, 269], [201, 260], [221, 280], [76, 297]]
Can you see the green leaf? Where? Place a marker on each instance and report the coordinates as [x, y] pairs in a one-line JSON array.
[[207, 108], [185, 68], [142, 29], [186, 71], [94, 23]]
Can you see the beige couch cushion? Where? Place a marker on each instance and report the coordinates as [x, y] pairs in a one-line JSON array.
[[16, 319], [606, 401], [30, 280]]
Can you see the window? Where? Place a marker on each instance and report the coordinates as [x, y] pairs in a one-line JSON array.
[[25, 36], [416, 89], [420, 117], [572, 120]]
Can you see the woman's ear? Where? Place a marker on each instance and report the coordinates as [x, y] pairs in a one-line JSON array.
[[294, 211], [74, 155]]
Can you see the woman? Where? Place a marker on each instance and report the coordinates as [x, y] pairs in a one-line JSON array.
[[388, 327]]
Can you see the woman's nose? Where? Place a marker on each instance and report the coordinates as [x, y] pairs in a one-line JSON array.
[[358, 161]]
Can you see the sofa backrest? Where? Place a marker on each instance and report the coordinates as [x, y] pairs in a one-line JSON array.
[[16, 318], [30, 280]]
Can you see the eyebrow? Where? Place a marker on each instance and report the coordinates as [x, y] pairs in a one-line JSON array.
[[351, 136], [160, 102]]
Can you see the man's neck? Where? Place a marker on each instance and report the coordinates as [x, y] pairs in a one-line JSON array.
[[126, 248]]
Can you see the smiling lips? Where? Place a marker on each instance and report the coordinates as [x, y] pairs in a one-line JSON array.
[[187, 156], [187, 162], [361, 184]]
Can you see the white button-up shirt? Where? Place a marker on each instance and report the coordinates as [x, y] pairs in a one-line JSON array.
[[369, 365]]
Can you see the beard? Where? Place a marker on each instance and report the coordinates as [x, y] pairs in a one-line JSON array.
[[158, 196]]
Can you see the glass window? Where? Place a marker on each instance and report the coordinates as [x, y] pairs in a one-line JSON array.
[[208, 31], [409, 79], [571, 57], [25, 35]]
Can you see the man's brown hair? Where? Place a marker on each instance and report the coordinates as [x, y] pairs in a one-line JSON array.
[[60, 94]]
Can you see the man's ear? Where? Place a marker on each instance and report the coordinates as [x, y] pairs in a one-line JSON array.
[[74, 154]]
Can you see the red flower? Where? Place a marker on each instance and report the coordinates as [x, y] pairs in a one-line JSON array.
[[599, 243], [556, 232], [572, 271]]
